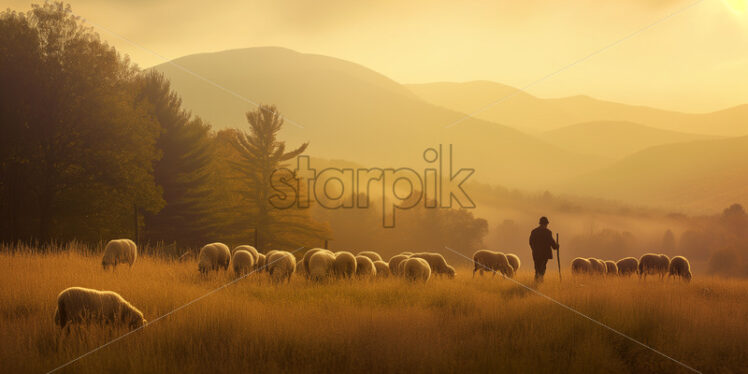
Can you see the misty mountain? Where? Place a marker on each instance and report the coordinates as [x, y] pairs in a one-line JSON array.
[[532, 114], [614, 139], [349, 112]]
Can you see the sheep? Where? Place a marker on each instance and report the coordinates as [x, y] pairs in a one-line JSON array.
[[407, 253], [395, 261], [627, 266], [437, 263], [78, 305], [307, 255], [261, 260], [281, 265], [581, 266], [213, 256], [243, 262], [514, 261], [611, 267], [373, 256], [598, 266], [383, 269], [493, 261], [365, 267], [401, 267], [267, 259], [119, 251], [416, 269], [321, 265], [252, 250], [650, 263], [679, 267], [345, 264]]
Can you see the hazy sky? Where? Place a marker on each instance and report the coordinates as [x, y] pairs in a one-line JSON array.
[[695, 61]]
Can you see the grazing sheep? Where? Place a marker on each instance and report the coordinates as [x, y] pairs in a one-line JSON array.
[[627, 266], [119, 251], [78, 305], [611, 267], [281, 265], [492, 261], [679, 267], [514, 261], [401, 267], [373, 256], [437, 263], [321, 265], [598, 266], [213, 256], [651, 263], [307, 255], [581, 266], [345, 264], [417, 269], [252, 250], [243, 262], [261, 260], [383, 269], [365, 267], [267, 259], [395, 261]]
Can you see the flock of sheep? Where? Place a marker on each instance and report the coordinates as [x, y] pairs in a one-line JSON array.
[[77, 304], [647, 264]]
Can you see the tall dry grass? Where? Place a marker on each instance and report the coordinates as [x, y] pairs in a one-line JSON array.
[[461, 325]]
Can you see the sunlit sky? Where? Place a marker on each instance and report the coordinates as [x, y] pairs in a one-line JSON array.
[[695, 61]]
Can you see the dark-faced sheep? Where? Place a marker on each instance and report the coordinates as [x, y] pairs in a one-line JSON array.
[[679, 267], [612, 268], [281, 265], [395, 261], [492, 261], [383, 269], [416, 270], [514, 261], [365, 267], [627, 266], [243, 262], [119, 251], [373, 256], [345, 264], [437, 263], [581, 266], [321, 265], [213, 257], [84, 305], [653, 264]]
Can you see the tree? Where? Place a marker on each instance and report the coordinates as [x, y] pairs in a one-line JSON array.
[[668, 241], [259, 154]]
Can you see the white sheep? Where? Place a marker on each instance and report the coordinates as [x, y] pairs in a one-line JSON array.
[[267, 259], [308, 255], [383, 269], [373, 256], [119, 251], [365, 267], [321, 265], [612, 268], [627, 266], [485, 260], [437, 263], [679, 267], [395, 261], [252, 250], [416, 270], [656, 264], [261, 260], [514, 261], [281, 265], [581, 266], [243, 262], [213, 257], [345, 264], [79, 305]]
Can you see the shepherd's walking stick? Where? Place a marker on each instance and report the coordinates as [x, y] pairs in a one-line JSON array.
[[558, 258]]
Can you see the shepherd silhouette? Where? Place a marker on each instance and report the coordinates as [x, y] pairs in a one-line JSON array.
[[542, 245]]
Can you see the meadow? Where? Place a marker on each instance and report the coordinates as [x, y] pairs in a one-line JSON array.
[[461, 325]]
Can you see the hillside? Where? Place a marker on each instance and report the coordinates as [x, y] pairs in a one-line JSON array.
[[349, 112], [532, 114], [613, 139], [697, 176]]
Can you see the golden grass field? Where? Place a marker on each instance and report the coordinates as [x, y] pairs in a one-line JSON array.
[[461, 325]]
